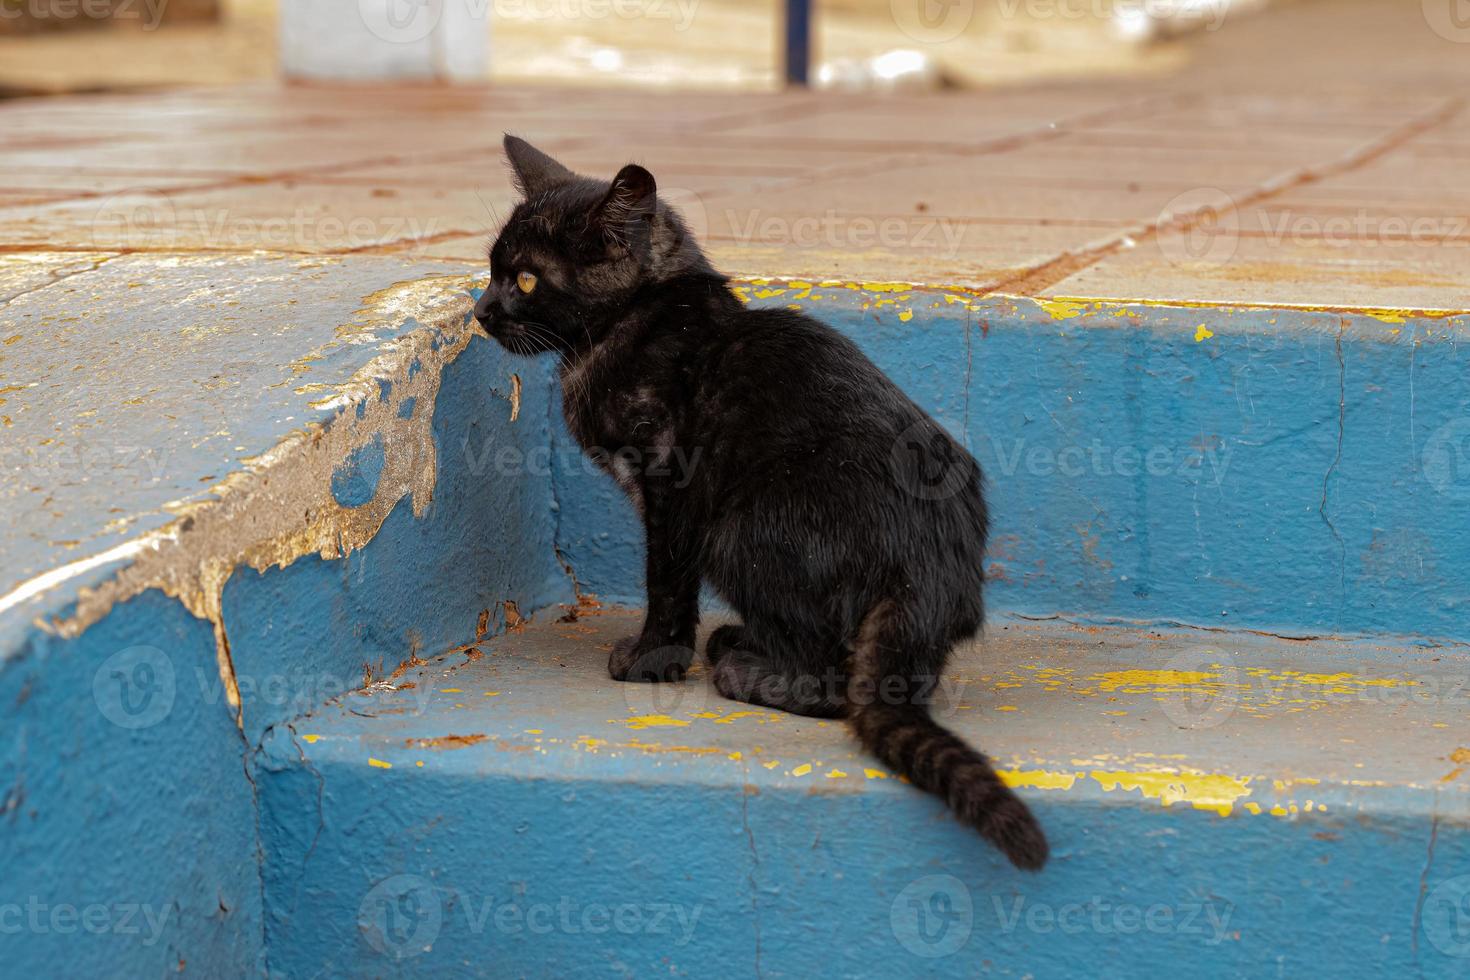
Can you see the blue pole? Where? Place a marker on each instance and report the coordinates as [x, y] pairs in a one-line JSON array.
[[798, 41]]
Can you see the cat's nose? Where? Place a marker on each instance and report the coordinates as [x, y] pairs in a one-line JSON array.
[[487, 309]]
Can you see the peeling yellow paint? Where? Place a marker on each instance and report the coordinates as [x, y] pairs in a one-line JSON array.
[[1389, 316], [762, 716], [1461, 758], [1153, 681], [802, 769], [725, 719], [1122, 306], [659, 747], [640, 722], [875, 774], [1202, 333], [379, 763], [1339, 683], [1037, 779], [1062, 309], [1203, 791], [1286, 785], [836, 774], [310, 739]]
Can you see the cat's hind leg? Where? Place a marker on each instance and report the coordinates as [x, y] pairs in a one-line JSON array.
[[773, 676], [729, 637]]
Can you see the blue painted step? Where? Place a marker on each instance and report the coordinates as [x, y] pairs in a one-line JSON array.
[[1299, 471], [1310, 479], [1216, 802]]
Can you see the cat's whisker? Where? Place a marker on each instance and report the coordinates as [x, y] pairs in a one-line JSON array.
[[542, 334], [494, 218]]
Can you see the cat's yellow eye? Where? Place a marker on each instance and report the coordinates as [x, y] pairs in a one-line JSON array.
[[526, 281]]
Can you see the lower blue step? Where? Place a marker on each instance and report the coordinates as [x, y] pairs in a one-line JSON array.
[[1216, 804]]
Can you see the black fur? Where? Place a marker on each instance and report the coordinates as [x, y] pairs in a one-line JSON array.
[[772, 460]]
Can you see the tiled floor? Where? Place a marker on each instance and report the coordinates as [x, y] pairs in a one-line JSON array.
[[1324, 171]]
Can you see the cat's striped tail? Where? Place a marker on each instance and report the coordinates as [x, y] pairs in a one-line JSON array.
[[913, 744]]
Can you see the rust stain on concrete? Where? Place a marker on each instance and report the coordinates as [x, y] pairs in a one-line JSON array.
[[445, 742], [514, 621]]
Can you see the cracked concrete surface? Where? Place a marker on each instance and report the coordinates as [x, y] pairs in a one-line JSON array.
[[260, 349]]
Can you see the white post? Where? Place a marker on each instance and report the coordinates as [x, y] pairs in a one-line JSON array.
[[383, 40]]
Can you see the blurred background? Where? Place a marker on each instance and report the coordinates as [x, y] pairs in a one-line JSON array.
[[61, 46]]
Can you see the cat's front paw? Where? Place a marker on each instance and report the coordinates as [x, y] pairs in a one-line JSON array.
[[634, 658]]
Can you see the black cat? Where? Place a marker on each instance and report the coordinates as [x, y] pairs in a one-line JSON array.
[[840, 521]]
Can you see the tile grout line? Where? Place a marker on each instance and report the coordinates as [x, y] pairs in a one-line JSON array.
[[995, 145], [1068, 264], [842, 171]]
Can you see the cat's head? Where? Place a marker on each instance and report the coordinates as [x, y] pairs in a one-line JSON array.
[[574, 253]]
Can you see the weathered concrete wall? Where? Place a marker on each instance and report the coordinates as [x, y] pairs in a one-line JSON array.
[[127, 808], [142, 682], [1296, 471], [426, 581]]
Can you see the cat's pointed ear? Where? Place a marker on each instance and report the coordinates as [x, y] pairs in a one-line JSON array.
[[626, 213], [533, 170]]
